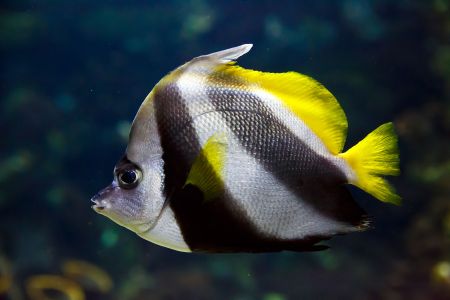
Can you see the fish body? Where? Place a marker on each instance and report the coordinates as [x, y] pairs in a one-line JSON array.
[[225, 159]]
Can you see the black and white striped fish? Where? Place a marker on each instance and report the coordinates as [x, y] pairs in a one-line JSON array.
[[225, 159]]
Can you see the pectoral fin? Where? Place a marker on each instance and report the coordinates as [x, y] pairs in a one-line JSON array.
[[207, 170]]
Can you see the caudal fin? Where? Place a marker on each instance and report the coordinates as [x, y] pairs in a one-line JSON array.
[[376, 156]]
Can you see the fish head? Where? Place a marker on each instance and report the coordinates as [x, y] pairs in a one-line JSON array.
[[135, 198]]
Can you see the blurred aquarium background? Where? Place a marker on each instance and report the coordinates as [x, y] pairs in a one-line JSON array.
[[73, 74]]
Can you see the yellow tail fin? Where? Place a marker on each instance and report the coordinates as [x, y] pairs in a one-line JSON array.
[[376, 155]]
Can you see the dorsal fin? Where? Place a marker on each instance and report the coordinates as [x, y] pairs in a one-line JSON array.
[[205, 64], [228, 55], [307, 98]]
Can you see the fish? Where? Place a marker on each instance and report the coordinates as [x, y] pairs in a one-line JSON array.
[[226, 159]]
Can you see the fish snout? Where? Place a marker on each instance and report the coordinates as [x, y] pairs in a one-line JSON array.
[[98, 205], [100, 199]]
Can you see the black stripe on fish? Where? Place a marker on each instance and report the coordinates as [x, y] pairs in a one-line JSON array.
[[179, 140], [304, 172], [207, 226]]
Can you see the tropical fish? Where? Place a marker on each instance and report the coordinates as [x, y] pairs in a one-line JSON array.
[[226, 159]]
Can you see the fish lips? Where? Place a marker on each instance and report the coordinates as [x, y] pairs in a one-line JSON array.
[[100, 199]]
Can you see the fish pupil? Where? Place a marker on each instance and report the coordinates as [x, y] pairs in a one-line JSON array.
[[128, 177]]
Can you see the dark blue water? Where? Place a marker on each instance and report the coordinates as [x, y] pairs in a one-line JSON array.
[[73, 74]]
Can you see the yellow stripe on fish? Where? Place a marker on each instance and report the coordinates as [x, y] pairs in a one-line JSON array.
[[308, 99]]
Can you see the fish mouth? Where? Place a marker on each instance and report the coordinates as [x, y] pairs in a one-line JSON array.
[[98, 207], [100, 204]]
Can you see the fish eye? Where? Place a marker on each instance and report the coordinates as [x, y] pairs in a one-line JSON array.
[[129, 178]]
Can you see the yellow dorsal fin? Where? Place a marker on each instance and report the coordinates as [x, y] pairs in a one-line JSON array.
[[307, 98], [207, 170]]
